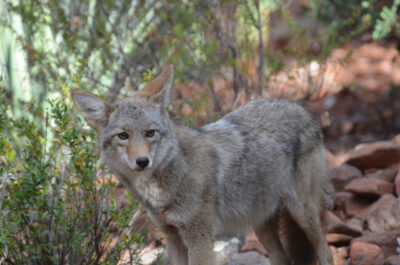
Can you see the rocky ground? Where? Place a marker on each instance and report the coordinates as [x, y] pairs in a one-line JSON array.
[[364, 227]]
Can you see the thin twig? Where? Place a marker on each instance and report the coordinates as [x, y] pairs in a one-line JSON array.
[[257, 24], [45, 131], [287, 4], [126, 231], [4, 254], [55, 195], [215, 98], [260, 50], [64, 164]]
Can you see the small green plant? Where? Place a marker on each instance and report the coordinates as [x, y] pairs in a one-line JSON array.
[[387, 21], [58, 204], [348, 19], [148, 75]]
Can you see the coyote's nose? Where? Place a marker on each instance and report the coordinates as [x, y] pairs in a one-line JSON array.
[[142, 162]]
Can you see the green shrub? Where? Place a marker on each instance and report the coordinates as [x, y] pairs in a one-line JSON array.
[[58, 205], [387, 21], [347, 19]]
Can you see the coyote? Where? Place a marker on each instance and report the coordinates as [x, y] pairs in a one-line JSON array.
[[262, 167]]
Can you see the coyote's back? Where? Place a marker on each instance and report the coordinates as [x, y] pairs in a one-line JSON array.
[[261, 167], [270, 154]]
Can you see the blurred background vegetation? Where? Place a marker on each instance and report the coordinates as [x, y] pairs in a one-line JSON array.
[[53, 187]]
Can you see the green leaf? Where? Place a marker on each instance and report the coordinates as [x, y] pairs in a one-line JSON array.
[[11, 156], [365, 4]]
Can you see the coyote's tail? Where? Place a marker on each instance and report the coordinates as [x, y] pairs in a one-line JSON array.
[[328, 192], [298, 247]]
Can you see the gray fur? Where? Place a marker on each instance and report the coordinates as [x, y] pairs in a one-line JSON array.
[[258, 164]]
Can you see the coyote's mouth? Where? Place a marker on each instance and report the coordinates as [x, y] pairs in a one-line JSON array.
[[139, 169]]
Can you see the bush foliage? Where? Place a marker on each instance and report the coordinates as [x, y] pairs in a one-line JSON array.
[[348, 19], [58, 206]]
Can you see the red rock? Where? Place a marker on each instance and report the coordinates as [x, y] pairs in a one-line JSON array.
[[393, 260], [340, 199], [186, 109], [355, 224], [338, 239], [385, 240], [387, 174], [332, 160], [375, 155], [252, 244], [356, 205], [336, 226], [343, 175], [332, 219], [397, 184], [347, 126], [385, 218], [149, 255], [384, 200], [366, 254], [339, 255], [369, 187]]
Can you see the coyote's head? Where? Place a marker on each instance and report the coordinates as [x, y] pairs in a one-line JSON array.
[[134, 132]]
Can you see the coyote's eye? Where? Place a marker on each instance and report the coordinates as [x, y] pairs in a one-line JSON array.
[[150, 133], [123, 135]]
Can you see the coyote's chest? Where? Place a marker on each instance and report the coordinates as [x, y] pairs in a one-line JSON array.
[[151, 192]]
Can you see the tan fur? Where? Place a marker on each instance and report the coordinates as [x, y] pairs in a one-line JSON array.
[[139, 148], [261, 166]]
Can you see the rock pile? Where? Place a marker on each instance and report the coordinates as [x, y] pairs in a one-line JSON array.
[[364, 227]]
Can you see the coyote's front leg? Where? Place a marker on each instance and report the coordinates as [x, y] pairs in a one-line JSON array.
[[199, 241], [177, 251]]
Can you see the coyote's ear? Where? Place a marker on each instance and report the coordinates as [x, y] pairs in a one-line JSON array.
[[94, 109], [158, 90]]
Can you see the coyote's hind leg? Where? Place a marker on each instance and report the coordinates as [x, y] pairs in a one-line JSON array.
[[268, 235], [307, 216]]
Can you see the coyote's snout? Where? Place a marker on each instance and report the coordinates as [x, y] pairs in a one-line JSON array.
[[135, 150], [261, 166]]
